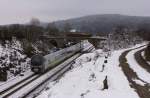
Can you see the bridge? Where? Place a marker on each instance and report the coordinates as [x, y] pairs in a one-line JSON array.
[[57, 40], [81, 38]]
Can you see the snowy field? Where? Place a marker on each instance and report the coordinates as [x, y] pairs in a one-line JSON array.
[[85, 79]]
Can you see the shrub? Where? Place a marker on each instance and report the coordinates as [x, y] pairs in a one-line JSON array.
[[29, 50]]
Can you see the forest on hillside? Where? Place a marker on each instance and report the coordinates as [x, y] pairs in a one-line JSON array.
[[107, 23]]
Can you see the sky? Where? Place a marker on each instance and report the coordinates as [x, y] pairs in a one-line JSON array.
[[22, 11]]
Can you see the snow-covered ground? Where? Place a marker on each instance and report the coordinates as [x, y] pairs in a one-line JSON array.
[[85, 79], [12, 58]]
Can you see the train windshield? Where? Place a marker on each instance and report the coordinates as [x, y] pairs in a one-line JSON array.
[[37, 60]]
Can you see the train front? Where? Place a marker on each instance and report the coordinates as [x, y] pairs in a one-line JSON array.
[[37, 63]]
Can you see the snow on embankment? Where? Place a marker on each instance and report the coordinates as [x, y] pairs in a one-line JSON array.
[[85, 80], [12, 58]]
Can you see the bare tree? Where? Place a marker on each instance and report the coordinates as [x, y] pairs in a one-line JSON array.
[[35, 22], [67, 27]]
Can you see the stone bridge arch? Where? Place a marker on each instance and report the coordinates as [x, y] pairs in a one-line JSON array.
[[59, 43], [54, 42]]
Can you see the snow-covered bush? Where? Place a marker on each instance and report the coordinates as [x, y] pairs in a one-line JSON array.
[[12, 58], [121, 40]]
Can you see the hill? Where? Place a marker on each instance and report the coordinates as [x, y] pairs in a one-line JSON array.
[[103, 23]]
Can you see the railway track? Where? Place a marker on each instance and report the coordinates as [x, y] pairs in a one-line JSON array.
[[58, 74], [35, 91], [34, 84], [141, 61], [142, 91], [15, 84]]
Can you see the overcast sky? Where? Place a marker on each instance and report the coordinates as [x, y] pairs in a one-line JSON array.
[[21, 11]]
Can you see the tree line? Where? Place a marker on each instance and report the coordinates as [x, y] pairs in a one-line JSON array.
[[28, 32], [29, 35]]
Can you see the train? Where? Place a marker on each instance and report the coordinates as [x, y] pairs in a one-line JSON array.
[[39, 63]]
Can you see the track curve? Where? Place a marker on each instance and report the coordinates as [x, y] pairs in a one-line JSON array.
[[142, 91]]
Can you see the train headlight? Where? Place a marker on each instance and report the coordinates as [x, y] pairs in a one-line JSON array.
[[35, 69]]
